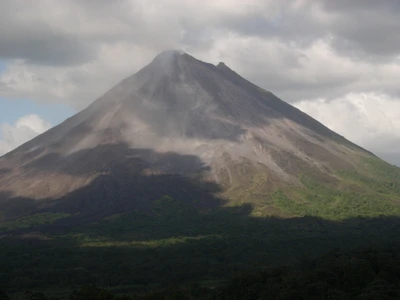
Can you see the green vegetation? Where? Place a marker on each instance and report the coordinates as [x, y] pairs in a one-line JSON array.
[[360, 275], [198, 252], [371, 190], [339, 203], [373, 193], [141, 252], [32, 221]]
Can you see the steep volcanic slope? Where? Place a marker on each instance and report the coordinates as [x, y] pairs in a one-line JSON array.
[[180, 127]]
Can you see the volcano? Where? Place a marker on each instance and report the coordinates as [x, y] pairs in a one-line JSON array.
[[195, 131]]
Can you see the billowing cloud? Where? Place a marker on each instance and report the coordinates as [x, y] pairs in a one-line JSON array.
[[24, 129], [299, 49], [368, 119]]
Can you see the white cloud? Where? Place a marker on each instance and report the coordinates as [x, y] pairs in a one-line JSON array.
[[298, 49], [370, 120], [75, 85], [312, 71], [292, 72], [24, 129]]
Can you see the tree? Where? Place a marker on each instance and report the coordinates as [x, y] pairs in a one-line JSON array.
[[3, 296]]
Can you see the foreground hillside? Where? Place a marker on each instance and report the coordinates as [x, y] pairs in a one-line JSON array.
[[137, 254], [362, 275], [176, 244]]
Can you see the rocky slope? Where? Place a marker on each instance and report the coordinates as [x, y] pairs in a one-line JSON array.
[[179, 126]]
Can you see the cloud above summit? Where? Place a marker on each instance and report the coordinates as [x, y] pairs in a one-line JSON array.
[[72, 51]]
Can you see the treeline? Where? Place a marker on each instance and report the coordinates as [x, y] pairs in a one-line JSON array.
[[141, 253], [361, 275]]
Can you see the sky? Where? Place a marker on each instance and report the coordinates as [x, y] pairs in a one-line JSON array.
[[338, 61]]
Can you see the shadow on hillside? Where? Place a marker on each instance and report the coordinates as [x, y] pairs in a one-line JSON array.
[[11, 206], [4, 170], [158, 241], [128, 179], [118, 159], [177, 244]]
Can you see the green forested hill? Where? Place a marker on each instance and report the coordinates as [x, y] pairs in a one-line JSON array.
[[175, 244]]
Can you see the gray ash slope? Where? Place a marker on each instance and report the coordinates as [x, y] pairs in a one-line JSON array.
[[179, 126]]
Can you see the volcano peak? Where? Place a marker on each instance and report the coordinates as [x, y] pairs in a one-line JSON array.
[[174, 111]]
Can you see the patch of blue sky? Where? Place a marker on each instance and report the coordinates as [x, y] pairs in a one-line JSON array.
[[3, 66], [13, 109]]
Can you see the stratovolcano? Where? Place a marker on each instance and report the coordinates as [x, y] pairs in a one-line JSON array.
[[180, 127]]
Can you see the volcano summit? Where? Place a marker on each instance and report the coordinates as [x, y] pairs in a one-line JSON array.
[[180, 127]]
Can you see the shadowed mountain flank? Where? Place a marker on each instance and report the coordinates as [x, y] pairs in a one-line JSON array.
[[111, 179], [180, 119]]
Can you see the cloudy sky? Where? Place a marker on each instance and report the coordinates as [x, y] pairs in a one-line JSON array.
[[338, 61]]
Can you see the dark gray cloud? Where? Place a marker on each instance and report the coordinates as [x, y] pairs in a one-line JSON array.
[[368, 27], [365, 29], [359, 29], [45, 47], [79, 38], [30, 38]]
